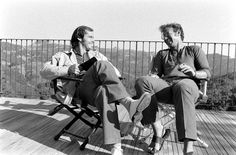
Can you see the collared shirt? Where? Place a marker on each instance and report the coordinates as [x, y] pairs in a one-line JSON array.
[[79, 58], [166, 62], [61, 61]]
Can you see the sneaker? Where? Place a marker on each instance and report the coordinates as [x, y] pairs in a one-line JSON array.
[[116, 151], [141, 104]]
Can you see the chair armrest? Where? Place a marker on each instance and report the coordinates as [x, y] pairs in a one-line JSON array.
[[122, 78], [68, 78], [59, 94], [204, 85], [77, 78], [203, 91], [53, 83], [204, 88]]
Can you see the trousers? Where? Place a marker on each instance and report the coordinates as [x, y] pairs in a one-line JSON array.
[[102, 88], [181, 93]]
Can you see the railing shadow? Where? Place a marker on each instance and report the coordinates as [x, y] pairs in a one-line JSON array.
[[32, 121]]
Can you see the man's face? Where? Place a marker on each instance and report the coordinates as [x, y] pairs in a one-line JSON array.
[[88, 40], [171, 38]]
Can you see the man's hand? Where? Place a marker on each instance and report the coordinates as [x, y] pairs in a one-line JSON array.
[[82, 72], [186, 69], [73, 69], [154, 75]]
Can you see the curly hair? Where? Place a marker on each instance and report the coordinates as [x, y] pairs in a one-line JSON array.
[[176, 27], [79, 32]]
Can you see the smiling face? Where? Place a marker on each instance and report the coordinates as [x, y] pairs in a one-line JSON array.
[[88, 40], [171, 38]]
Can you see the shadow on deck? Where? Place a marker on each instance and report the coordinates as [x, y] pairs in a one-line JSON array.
[[25, 128]]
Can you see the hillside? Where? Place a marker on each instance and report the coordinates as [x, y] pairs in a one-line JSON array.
[[222, 64]]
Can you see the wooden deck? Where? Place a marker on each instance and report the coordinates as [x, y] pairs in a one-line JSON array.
[[25, 128]]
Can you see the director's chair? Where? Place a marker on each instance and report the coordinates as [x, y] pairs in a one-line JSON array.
[[169, 115], [169, 111], [77, 110]]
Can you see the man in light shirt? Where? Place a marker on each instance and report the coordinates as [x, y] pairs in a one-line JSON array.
[[101, 86]]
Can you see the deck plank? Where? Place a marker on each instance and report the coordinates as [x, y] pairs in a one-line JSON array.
[[25, 128], [227, 131], [224, 140], [213, 134]]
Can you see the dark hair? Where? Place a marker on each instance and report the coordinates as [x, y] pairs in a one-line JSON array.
[[176, 27], [79, 32]]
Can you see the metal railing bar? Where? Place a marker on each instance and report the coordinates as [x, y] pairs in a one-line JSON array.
[[142, 57], [99, 46], [10, 63], [123, 60], [21, 55], [41, 54], [221, 60], [207, 50], [111, 52], [53, 43], [228, 60], [31, 64], [149, 52], [15, 65], [129, 60], [105, 48], [47, 50], [26, 59], [36, 65], [1, 67], [136, 58], [234, 61], [58, 45]]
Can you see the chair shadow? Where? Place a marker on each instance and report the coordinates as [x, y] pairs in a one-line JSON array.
[[42, 128], [134, 140], [42, 106], [31, 121]]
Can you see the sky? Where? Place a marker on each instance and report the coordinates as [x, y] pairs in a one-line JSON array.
[[202, 20]]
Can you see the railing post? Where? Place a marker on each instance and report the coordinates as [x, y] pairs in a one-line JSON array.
[[1, 67], [228, 61], [142, 57], [129, 61], [123, 60], [234, 61], [136, 59]]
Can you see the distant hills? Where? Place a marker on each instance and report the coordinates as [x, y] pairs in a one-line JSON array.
[[221, 64]]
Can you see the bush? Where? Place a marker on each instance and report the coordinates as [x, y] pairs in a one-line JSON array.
[[221, 93]]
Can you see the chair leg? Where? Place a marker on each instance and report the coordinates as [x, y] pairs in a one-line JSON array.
[[78, 116], [55, 110], [202, 142], [65, 128], [94, 129], [82, 147]]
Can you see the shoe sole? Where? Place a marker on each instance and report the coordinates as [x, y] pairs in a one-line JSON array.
[[166, 134], [164, 137], [152, 150], [144, 103]]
